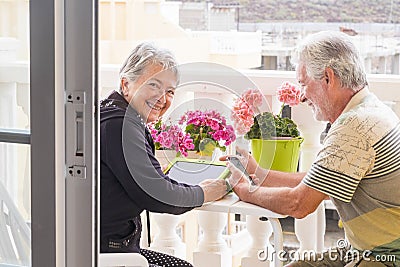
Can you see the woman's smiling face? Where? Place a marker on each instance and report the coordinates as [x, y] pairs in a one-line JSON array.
[[152, 93]]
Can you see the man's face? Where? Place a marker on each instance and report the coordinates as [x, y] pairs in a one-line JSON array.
[[315, 94], [152, 93]]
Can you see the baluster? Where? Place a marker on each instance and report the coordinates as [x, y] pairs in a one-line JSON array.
[[212, 249], [305, 232], [260, 232], [167, 240], [321, 227]]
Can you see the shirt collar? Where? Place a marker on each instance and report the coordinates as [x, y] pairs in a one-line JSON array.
[[116, 100], [356, 99]]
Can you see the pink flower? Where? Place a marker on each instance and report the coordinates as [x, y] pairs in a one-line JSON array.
[[207, 124], [242, 119], [247, 106], [244, 109], [252, 97], [288, 93], [170, 137]]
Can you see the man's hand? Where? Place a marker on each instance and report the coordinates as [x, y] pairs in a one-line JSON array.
[[239, 182], [246, 159], [256, 173]]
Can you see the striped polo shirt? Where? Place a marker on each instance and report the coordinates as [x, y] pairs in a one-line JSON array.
[[359, 168]]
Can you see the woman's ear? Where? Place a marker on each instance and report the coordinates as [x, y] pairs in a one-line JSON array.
[[124, 86]]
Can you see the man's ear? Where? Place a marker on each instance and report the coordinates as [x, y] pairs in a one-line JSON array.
[[329, 76]]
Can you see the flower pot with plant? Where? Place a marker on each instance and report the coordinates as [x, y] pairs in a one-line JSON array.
[[169, 141], [208, 130], [275, 140]]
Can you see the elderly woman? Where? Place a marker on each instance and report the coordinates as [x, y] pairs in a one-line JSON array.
[[131, 176]]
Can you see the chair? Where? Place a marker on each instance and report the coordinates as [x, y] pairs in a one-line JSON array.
[[15, 235], [122, 260], [127, 259]]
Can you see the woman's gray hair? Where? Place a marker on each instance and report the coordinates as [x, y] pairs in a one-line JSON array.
[[143, 55], [329, 49]]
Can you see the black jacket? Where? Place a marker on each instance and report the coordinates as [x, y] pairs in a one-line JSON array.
[[131, 178]]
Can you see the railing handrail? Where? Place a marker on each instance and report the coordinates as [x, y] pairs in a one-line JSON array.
[[18, 136]]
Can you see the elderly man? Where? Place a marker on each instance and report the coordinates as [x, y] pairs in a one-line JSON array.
[[358, 167]]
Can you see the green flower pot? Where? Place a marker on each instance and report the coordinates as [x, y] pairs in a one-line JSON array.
[[277, 154]]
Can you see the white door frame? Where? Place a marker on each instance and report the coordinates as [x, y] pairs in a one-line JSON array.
[[63, 58]]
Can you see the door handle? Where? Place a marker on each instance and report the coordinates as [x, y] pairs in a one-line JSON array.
[[75, 134]]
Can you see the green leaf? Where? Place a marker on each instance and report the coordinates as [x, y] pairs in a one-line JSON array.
[[267, 125]]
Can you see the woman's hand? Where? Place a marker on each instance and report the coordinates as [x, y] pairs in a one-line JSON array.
[[213, 189]]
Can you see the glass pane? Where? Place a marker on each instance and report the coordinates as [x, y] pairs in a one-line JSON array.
[[15, 204], [15, 177], [14, 64]]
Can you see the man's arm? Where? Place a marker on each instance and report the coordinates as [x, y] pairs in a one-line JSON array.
[[266, 177], [296, 202], [271, 178]]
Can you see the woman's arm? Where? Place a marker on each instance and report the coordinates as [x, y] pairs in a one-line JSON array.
[[129, 156]]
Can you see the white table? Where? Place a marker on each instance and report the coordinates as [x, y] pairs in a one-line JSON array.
[[232, 204]]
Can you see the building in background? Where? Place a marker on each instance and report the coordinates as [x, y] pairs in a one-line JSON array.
[[206, 16], [123, 24]]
